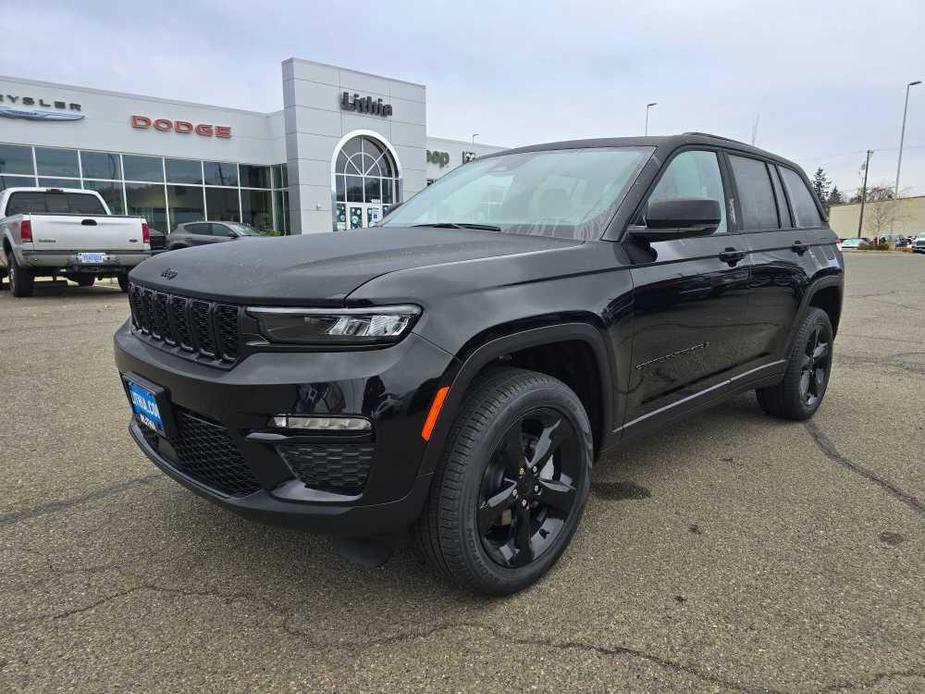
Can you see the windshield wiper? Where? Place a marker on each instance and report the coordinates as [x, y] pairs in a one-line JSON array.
[[459, 225]]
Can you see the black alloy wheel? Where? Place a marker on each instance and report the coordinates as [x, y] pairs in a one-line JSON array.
[[814, 367], [528, 489], [512, 482], [806, 376]]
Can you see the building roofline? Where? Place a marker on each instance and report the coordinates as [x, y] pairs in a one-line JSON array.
[[465, 142], [350, 69], [132, 95]]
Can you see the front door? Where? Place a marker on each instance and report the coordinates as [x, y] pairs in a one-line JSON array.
[[690, 297]]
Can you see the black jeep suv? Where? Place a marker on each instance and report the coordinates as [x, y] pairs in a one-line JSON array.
[[457, 370]]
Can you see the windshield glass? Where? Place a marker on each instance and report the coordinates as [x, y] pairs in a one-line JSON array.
[[245, 229], [560, 193]]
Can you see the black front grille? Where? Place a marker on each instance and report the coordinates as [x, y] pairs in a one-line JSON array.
[[202, 329], [335, 467], [206, 453]]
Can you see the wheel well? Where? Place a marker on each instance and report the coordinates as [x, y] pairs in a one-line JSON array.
[[6, 246], [829, 300], [573, 362]]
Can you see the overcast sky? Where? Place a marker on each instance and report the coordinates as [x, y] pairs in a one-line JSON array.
[[825, 80]]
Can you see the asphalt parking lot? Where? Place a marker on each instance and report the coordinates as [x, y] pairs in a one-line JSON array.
[[731, 552]]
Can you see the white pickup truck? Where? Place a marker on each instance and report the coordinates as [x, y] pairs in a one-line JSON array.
[[67, 232]]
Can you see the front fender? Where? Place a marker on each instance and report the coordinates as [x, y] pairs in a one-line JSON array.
[[472, 360]]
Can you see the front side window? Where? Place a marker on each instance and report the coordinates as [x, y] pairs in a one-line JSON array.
[[221, 230], [562, 193], [756, 195], [693, 174], [802, 201]]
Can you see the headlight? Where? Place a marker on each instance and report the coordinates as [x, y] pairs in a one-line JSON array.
[[348, 326]]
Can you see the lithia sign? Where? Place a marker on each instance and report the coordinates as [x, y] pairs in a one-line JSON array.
[[365, 104], [15, 106]]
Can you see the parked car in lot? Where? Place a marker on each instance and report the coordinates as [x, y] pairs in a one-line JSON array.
[[854, 244], [208, 233], [68, 232], [918, 246], [457, 370]]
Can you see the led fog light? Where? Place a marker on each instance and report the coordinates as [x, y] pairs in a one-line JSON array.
[[288, 421]]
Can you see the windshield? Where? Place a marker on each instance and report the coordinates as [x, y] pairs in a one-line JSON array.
[[560, 193], [245, 229]]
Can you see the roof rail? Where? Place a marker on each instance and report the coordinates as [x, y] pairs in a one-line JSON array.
[[718, 137]]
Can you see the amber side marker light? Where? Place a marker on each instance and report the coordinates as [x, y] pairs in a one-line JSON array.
[[435, 406]]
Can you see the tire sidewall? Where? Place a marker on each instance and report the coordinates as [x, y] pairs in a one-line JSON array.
[[552, 394], [815, 318]]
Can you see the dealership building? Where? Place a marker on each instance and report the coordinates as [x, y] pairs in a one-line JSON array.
[[345, 147]]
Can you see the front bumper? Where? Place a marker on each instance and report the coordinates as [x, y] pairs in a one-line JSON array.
[[393, 387]]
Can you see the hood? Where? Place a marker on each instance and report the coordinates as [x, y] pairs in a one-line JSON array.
[[322, 268]]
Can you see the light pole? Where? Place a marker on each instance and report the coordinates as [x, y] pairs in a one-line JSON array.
[[648, 106], [902, 136], [864, 191], [474, 135]]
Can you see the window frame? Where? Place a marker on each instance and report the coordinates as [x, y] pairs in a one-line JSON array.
[[738, 198], [823, 220], [732, 213]]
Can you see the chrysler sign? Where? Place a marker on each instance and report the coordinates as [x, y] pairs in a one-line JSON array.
[[16, 106], [184, 127]]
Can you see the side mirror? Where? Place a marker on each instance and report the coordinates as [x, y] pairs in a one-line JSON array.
[[679, 218]]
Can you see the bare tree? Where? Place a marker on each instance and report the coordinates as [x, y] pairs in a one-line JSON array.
[[883, 212]]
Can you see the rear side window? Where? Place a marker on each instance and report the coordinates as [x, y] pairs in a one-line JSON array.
[[198, 229], [41, 202], [801, 199], [756, 195]]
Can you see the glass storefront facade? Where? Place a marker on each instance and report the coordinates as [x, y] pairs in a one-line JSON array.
[[166, 191]]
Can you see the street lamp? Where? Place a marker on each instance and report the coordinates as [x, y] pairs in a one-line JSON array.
[[474, 135], [902, 136], [648, 106]]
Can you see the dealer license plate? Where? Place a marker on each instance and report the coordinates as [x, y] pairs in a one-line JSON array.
[[144, 405], [91, 258]]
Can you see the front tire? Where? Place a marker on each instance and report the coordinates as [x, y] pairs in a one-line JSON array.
[[809, 367], [22, 280], [512, 483]]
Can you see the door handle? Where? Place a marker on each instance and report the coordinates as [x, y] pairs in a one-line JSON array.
[[798, 247], [731, 256]]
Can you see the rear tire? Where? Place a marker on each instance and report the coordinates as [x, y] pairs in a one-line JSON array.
[[123, 283], [809, 368], [22, 280], [512, 483]]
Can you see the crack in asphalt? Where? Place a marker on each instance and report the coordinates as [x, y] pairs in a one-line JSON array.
[[409, 635], [824, 444], [426, 632], [61, 504], [889, 360]]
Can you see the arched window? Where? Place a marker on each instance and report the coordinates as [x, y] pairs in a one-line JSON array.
[[366, 182]]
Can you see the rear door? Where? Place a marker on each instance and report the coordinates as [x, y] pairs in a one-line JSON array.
[[788, 241], [689, 297]]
